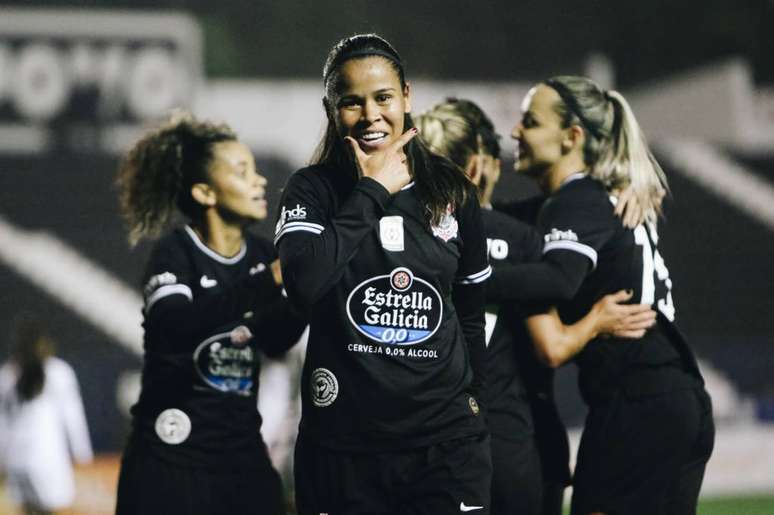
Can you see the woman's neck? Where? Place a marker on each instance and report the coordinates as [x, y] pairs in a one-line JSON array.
[[223, 238], [558, 174]]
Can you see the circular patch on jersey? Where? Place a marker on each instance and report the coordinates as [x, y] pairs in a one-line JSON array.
[[397, 309], [401, 279], [173, 426], [474, 406], [325, 387], [226, 362]]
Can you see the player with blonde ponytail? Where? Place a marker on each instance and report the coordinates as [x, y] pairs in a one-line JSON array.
[[649, 432]]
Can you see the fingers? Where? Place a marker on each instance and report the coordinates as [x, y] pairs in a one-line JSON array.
[[620, 296], [635, 334], [359, 154], [633, 216], [623, 198], [404, 138]]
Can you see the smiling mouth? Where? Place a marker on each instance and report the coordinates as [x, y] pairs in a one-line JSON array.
[[371, 140]]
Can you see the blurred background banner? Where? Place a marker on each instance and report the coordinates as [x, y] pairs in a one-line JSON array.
[[78, 86]]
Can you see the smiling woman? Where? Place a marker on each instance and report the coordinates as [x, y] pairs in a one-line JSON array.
[[381, 243], [212, 301]]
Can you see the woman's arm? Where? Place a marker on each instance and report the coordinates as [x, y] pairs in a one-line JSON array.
[[556, 343]]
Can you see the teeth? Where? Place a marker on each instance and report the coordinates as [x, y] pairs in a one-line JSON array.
[[373, 135]]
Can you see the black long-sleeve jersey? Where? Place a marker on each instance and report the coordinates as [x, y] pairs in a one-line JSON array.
[[512, 367], [206, 317], [587, 254], [520, 389], [395, 310]]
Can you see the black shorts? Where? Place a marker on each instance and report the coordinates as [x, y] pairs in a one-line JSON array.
[[148, 485], [449, 477], [516, 477], [644, 455]]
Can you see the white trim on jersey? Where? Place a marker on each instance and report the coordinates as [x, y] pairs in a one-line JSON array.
[[476, 278], [214, 255], [407, 186], [575, 246], [299, 226], [166, 291]]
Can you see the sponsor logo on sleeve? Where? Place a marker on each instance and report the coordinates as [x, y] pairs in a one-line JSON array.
[[173, 426], [288, 215], [159, 280], [225, 362], [396, 309], [557, 235], [324, 386]]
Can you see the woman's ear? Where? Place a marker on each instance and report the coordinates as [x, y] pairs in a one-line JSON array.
[[203, 194], [407, 98], [475, 168], [575, 137]]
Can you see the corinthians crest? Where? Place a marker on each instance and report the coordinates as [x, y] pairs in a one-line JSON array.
[[447, 228]]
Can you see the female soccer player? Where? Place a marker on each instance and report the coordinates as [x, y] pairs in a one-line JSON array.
[[649, 432], [213, 299], [381, 243], [529, 440]]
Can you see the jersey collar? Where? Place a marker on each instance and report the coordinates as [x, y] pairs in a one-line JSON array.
[[211, 253]]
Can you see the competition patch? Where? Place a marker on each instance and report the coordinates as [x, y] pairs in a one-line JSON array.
[[173, 426], [391, 233], [325, 387], [398, 308], [225, 361]]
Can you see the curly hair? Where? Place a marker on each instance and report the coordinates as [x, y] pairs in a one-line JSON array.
[[156, 176]]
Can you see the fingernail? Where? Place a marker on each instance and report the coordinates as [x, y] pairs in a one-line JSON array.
[[414, 130]]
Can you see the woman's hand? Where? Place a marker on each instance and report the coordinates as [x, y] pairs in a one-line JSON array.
[[615, 318], [388, 167], [628, 208]]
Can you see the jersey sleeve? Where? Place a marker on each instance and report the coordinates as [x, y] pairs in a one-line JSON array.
[[316, 239], [574, 229], [468, 293], [173, 310]]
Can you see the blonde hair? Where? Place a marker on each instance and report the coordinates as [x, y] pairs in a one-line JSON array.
[[458, 129], [615, 150]]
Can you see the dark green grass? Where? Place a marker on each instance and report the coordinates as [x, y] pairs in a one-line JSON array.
[[752, 505]]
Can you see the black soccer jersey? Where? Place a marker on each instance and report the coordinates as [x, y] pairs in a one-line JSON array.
[[395, 309], [206, 317], [513, 371], [594, 254]]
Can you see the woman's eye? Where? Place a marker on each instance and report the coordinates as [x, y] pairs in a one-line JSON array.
[[383, 98]]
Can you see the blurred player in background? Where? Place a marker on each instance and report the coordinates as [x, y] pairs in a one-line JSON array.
[[42, 423], [381, 242], [649, 431], [213, 299], [529, 440]]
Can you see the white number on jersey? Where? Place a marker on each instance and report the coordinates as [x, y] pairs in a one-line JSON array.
[[653, 267]]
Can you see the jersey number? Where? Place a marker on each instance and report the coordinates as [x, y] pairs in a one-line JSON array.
[[653, 267]]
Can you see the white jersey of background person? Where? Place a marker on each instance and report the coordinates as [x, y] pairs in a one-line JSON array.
[[40, 438]]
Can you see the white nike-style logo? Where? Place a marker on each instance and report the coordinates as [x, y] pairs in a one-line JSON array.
[[465, 507], [260, 267], [206, 282]]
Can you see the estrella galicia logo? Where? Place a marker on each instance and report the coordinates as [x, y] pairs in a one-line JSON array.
[[226, 364], [398, 308]]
